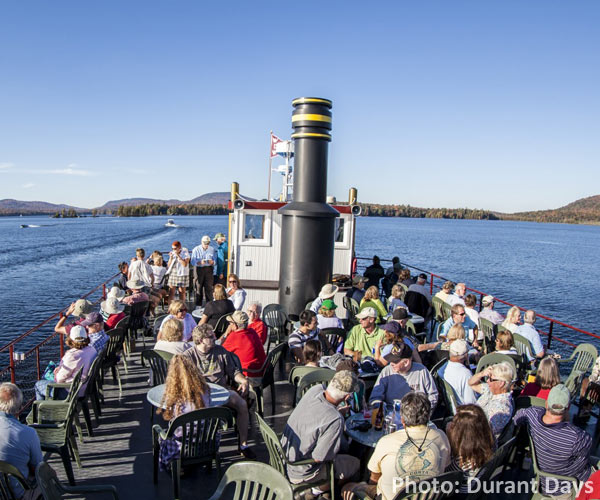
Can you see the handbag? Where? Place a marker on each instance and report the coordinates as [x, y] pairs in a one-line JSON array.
[[49, 371]]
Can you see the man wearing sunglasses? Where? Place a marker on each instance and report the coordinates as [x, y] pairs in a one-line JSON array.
[[458, 316]]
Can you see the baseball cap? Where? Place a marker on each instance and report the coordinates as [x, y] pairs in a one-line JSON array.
[[206, 238], [401, 313], [77, 332], [344, 381], [219, 235], [487, 300], [238, 317], [328, 304], [359, 279], [459, 348], [423, 276], [398, 352], [92, 318], [559, 398], [367, 312]]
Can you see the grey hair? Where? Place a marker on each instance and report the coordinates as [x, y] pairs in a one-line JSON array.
[[415, 409], [335, 393], [504, 371], [258, 306], [11, 398], [529, 317], [202, 332]]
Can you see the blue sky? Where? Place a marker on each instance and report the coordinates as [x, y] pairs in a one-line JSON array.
[[489, 104]]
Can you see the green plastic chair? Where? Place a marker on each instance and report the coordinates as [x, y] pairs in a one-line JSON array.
[[425, 489], [53, 422], [351, 307], [111, 360], [158, 320], [91, 393], [438, 314], [299, 371], [52, 489], [446, 310], [489, 331], [494, 358], [167, 356], [279, 461], [335, 337], [158, 365], [583, 358], [200, 439], [522, 344], [259, 384], [487, 472], [9, 475], [539, 473], [449, 395], [249, 479], [221, 325], [528, 402], [311, 379]]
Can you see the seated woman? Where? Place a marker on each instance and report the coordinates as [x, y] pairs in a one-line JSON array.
[[471, 441], [513, 316], [219, 306], [171, 337], [185, 390], [495, 385], [178, 310], [505, 343], [395, 299], [456, 332], [115, 311], [312, 353], [79, 357], [546, 378], [371, 299], [326, 317], [235, 292], [405, 278]]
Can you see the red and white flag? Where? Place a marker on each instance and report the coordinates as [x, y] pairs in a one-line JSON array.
[[274, 141]]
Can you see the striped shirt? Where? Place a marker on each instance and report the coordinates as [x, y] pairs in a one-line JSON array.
[[299, 339], [560, 448]]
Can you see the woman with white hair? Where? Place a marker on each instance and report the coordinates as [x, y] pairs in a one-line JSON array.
[[495, 384]]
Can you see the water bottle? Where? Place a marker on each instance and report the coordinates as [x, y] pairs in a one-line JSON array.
[[396, 414]]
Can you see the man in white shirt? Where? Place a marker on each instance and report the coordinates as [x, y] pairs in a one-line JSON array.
[[140, 270], [488, 311], [458, 297], [528, 331], [457, 374], [420, 287]]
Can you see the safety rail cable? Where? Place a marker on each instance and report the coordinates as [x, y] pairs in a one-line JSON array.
[[550, 334]]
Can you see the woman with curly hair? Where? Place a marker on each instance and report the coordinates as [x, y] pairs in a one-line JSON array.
[[371, 299], [178, 310], [185, 390], [471, 441]]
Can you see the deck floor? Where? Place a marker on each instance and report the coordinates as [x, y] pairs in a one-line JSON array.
[[120, 451]]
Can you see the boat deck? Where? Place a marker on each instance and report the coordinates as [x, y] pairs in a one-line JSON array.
[[120, 451]]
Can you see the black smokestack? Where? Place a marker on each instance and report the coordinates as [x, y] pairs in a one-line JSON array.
[[308, 222]]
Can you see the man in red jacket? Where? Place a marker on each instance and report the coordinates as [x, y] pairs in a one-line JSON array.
[[244, 342]]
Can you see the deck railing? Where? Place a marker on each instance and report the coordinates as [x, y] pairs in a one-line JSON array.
[[24, 366], [548, 329]]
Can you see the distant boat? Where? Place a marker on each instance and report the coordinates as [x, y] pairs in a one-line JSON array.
[[29, 225], [171, 223]]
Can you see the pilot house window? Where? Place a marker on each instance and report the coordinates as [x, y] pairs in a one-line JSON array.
[[339, 230], [254, 227]]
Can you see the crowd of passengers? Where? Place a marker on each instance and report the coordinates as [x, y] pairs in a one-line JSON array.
[[380, 342]]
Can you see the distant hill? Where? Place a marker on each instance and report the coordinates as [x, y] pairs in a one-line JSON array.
[[18, 207], [582, 211], [218, 198]]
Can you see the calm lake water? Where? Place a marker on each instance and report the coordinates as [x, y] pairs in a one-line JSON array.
[[551, 268]]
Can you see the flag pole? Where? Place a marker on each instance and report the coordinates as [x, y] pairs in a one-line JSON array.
[[270, 162]]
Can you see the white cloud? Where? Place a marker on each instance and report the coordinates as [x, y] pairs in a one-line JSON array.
[[6, 165], [70, 171], [28, 185]]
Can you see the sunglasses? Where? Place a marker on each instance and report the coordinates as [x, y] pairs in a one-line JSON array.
[[460, 314], [232, 281], [182, 310], [490, 379]]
